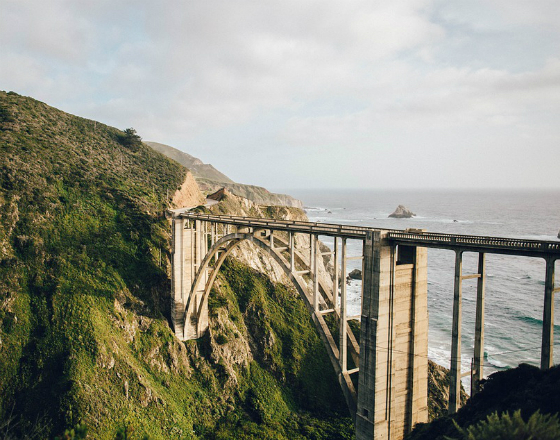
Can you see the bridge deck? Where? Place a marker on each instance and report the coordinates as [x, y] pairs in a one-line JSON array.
[[468, 243]]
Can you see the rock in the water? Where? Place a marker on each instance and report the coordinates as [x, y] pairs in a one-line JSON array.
[[402, 212], [558, 234], [356, 274]]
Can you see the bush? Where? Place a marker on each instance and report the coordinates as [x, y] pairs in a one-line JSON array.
[[506, 427], [221, 339]]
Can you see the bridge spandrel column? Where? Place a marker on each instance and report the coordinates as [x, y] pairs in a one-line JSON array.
[[392, 390], [202, 318]]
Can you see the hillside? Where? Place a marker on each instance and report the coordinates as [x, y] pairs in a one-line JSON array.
[[196, 166], [525, 388], [84, 278], [210, 179]]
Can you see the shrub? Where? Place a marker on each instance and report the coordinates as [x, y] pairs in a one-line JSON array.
[[506, 427], [221, 339]]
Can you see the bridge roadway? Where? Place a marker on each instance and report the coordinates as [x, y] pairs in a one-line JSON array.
[[401, 245], [410, 237]]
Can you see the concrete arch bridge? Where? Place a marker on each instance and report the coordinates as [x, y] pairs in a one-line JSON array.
[[390, 364]]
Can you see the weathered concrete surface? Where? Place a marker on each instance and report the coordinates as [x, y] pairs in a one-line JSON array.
[[189, 248], [392, 390]]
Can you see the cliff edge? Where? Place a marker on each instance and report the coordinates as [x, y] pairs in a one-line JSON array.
[[210, 179]]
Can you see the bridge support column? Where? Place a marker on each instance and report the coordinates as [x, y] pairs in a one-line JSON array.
[[190, 243], [181, 246], [393, 377], [335, 279], [547, 350], [478, 361], [455, 370], [292, 245], [343, 344], [314, 264]]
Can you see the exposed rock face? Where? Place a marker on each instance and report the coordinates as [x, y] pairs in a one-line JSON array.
[[248, 254], [402, 212], [257, 194], [189, 194], [438, 391], [219, 195]]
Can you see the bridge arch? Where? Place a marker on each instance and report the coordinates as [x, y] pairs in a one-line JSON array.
[[220, 251], [226, 245]]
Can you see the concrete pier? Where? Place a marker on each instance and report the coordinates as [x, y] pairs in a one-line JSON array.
[[392, 390], [190, 245]]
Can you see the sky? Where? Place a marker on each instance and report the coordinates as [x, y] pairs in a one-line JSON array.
[[309, 93]]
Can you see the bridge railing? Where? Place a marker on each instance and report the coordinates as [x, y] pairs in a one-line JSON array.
[[513, 245], [418, 238], [356, 232]]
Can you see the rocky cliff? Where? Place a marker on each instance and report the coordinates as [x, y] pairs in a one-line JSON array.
[[188, 195], [210, 179], [84, 306]]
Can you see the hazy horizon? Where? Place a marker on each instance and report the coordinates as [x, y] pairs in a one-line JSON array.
[[429, 189]]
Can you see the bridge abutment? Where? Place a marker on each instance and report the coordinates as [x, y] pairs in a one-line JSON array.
[[393, 380]]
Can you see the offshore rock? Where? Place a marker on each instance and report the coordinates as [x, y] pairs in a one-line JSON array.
[[356, 274], [402, 212]]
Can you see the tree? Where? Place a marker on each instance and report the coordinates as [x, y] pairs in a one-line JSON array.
[[130, 139]]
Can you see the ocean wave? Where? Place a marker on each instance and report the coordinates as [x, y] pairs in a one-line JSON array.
[[535, 321], [497, 364], [315, 208], [442, 220]]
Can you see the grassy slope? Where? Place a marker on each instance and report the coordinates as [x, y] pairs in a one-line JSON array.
[[84, 284]]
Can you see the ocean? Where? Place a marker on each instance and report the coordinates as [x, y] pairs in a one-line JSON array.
[[514, 287]]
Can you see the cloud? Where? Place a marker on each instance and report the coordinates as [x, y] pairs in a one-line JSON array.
[[236, 82]]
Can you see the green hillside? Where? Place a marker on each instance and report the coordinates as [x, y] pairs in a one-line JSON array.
[[84, 285]]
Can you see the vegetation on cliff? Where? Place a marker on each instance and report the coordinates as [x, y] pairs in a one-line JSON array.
[[526, 389], [84, 305]]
